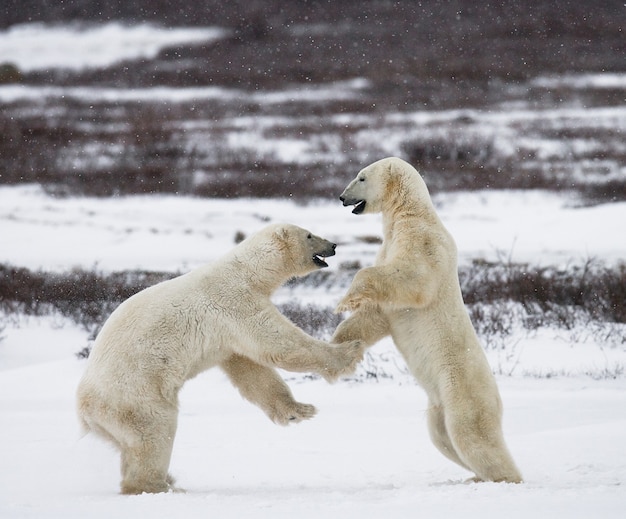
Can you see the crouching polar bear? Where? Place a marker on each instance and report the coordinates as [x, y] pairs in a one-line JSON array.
[[412, 293], [218, 315]]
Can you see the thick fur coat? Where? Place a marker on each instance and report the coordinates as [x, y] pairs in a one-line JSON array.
[[412, 293], [218, 315]]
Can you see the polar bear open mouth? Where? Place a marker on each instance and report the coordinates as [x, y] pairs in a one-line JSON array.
[[318, 259], [359, 207]]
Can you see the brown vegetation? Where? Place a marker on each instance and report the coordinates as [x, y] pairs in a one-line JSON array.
[[542, 296], [414, 56]]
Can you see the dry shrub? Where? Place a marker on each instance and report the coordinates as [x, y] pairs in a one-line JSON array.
[[548, 292], [502, 298], [317, 321], [278, 46], [85, 296]]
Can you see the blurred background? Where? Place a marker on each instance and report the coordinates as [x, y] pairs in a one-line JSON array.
[[493, 95]]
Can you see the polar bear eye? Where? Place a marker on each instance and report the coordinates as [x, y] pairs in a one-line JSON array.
[[362, 179], [309, 236]]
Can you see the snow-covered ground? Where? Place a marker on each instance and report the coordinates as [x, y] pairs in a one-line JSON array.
[[177, 233], [367, 453]]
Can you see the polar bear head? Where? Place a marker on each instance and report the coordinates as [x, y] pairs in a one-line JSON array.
[[301, 251], [384, 185]]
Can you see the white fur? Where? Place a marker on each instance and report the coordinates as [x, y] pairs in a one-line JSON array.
[[412, 293], [218, 315]]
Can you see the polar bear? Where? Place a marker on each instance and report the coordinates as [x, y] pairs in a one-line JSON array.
[[218, 315], [412, 293]]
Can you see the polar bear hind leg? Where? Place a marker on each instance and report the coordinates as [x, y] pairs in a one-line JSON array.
[[479, 444], [145, 440], [439, 435], [146, 453]]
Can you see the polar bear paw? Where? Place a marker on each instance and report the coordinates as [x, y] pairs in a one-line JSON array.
[[353, 301], [292, 412], [344, 359]]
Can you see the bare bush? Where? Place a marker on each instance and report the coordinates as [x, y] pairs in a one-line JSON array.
[[314, 320], [503, 299], [547, 292], [548, 295], [86, 297]]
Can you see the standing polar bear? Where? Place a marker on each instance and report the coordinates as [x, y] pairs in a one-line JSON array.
[[412, 293], [218, 315]]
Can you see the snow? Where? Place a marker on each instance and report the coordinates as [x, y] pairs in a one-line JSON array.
[[178, 233], [367, 453], [36, 46], [582, 81], [315, 93]]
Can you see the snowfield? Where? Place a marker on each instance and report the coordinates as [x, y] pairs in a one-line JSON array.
[[367, 452], [178, 233]]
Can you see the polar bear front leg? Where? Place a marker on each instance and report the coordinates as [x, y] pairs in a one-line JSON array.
[[305, 354], [393, 284], [263, 387], [367, 323], [272, 340], [362, 292]]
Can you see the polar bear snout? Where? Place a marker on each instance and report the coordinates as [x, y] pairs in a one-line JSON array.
[[358, 203], [354, 194]]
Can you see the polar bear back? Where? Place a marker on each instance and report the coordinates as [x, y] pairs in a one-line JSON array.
[[182, 322]]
